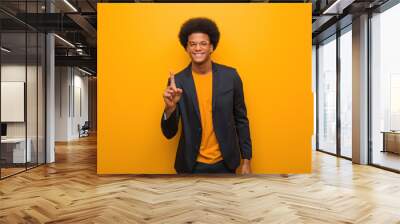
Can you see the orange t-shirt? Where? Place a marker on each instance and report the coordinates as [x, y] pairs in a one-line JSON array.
[[209, 148]]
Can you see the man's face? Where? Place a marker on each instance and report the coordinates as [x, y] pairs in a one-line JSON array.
[[199, 47]]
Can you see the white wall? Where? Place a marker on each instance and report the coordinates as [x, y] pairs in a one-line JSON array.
[[81, 89], [62, 78], [71, 93]]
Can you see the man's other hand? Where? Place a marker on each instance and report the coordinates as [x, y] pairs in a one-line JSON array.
[[246, 168]]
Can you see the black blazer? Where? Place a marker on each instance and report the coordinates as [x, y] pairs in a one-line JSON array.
[[230, 122]]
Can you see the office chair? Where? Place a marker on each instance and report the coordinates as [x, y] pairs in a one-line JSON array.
[[84, 130]]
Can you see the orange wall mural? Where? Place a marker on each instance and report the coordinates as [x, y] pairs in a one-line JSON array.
[[269, 45]]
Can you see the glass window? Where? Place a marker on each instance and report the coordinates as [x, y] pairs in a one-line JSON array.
[[385, 88], [327, 95], [346, 93], [314, 78]]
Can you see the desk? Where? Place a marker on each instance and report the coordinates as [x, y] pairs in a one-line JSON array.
[[15, 148], [391, 141]]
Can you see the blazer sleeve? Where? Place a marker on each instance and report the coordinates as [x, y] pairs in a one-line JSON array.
[[241, 120], [169, 126]]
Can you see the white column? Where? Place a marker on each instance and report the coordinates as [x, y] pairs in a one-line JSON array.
[[50, 100], [360, 90]]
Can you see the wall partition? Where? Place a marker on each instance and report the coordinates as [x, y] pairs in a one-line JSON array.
[[22, 88]]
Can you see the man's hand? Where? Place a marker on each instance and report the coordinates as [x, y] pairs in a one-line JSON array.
[[171, 96], [246, 168]]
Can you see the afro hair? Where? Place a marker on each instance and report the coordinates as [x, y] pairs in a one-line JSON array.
[[199, 25]]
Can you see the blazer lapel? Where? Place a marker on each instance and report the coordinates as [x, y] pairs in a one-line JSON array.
[[215, 84], [191, 89]]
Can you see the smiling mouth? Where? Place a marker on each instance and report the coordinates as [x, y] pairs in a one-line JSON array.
[[198, 54]]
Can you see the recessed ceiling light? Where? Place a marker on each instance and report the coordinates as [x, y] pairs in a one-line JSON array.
[[71, 6], [64, 40], [84, 71], [5, 50], [337, 7]]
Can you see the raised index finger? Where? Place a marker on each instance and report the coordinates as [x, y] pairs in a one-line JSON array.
[[172, 80]]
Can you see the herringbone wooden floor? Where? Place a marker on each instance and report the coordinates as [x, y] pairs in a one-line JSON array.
[[69, 191]]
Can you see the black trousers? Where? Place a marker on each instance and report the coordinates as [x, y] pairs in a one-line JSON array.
[[218, 167]]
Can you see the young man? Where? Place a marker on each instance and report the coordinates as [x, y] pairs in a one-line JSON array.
[[208, 99]]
